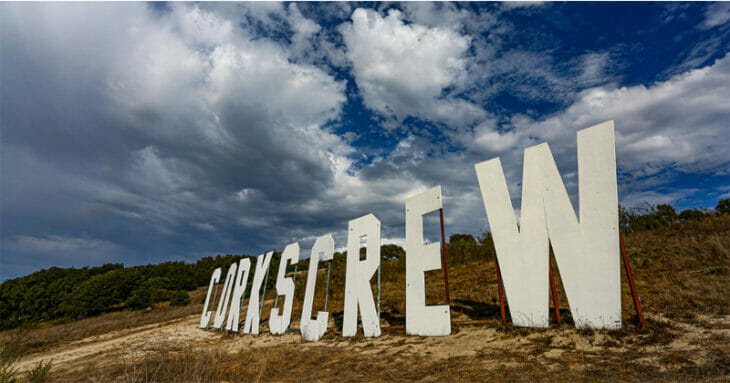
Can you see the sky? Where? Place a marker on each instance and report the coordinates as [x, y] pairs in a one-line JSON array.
[[141, 133]]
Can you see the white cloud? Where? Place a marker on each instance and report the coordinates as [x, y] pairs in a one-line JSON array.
[[650, 197], [593, 68], [403, 69], [201, 122], [446, 15], [681, 123], [716, 14], [194, 110], [509, 5], [493, 141], [677, 125], [666, 128]]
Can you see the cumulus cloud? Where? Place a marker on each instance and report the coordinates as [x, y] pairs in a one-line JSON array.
[[663, 130], [140, 134], [403, 69], [190, 112], [679, 123], [667, 128]]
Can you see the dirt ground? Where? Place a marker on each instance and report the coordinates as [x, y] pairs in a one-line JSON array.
[[491, 346]]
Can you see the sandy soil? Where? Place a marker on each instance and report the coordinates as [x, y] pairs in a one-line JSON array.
[[465, 341]]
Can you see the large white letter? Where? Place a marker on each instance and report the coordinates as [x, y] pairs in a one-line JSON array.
[[421, 319], [220, 312], [313, 330], [205, 317], [239, 288], [358, 292], [251, 326], [284, 286], [586, 250]]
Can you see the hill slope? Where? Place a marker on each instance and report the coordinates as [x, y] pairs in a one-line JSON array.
[[682, 274]]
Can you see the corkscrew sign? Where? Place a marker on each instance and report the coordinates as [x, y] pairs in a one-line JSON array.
[[586, 250]]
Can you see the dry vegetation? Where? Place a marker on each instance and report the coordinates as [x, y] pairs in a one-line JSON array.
[[682, 273], [43, 337]]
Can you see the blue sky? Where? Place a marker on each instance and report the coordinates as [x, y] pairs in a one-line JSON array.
[[141, 133]]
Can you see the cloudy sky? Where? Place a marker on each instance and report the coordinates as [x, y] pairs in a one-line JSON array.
[[141, 133]]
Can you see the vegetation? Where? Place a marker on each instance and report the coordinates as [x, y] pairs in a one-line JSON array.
[[655, 216], [41, 373], [179, 298], [64, 294], [680, 268], [8, 358]]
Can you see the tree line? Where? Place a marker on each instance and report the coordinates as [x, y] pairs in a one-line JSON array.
[[64, 294], [651, 217]]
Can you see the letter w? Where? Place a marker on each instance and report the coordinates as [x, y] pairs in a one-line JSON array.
[[586, 250]]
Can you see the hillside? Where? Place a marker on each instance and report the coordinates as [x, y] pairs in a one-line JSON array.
[[682, 271]]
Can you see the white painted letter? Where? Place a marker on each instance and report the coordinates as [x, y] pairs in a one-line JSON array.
[[251, 326], [421, 319], [220, 312], [205, 317], [284, 286], [239, 288], [358, 292], [313, 330], [586, 250]]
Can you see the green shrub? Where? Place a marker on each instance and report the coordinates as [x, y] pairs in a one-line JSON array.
[[9, 356], [179, 298], [723, 206], [139, 299], [691, 214], [40, 373]]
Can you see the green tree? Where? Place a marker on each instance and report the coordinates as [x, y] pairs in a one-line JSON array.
[[461, 248], [691, 214], [723, 206], [392, 252], [140, 298], [666, 214], [179, 298]]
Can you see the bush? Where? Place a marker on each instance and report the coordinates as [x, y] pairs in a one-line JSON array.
[[140, 299], [691, 214], [9, 357], [655, 216], [40, 373], [392, 253], [179, 298], [723, 207], [666, 214]]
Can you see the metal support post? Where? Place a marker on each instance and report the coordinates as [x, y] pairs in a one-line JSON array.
[[629, 275], [443, 255]]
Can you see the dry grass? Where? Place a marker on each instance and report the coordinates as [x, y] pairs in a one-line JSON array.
[[535, 360], [681, 273], [683, 269], [45, 336]]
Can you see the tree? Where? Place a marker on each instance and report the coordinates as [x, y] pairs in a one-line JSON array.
[[179, 298], [392, 252], [666, 214], [461, 247], [140, 299], [691, 214], [723, 206]]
